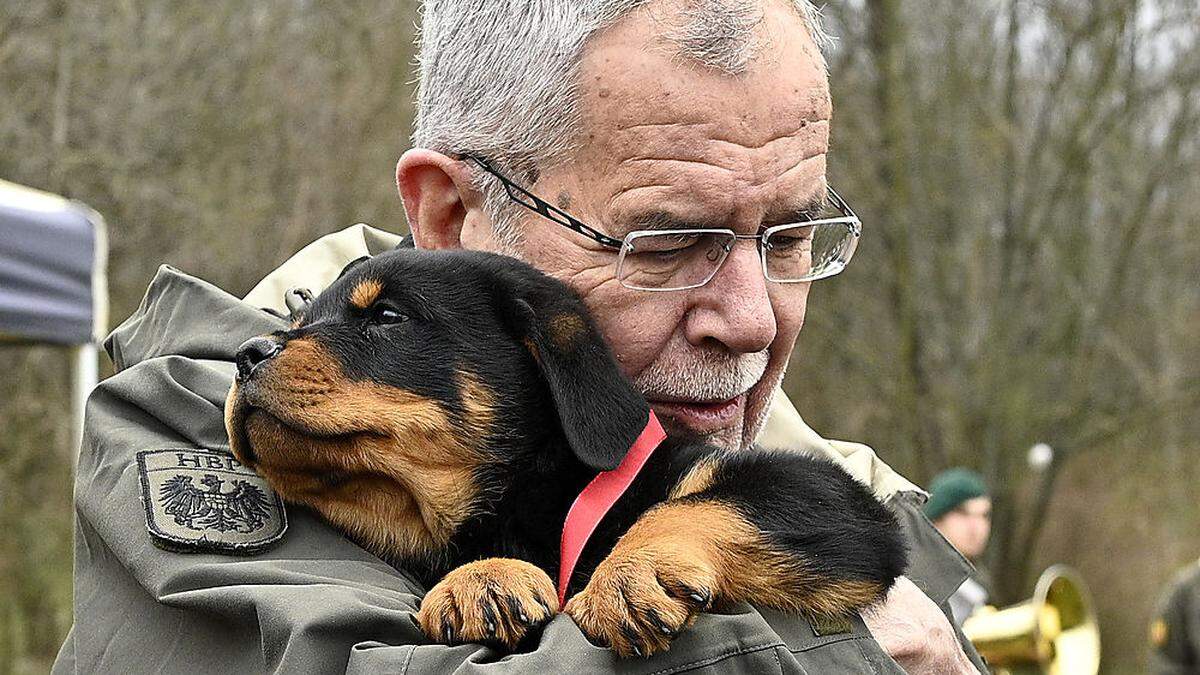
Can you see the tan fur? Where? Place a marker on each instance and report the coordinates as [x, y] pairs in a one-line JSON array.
[[386, 465], [480, 403], [491, 600], [679, 548], [533, 350], [566, 330], [365, 293], [695, 480]]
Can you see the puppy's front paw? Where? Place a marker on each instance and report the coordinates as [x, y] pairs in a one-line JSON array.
[[496, 601], [637, 601]]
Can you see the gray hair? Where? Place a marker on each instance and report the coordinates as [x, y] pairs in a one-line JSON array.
[[499, 78]]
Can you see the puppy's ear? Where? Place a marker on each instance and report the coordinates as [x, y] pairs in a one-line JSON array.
[[600, 411]]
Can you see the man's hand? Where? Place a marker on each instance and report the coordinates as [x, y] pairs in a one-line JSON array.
[[914, 632]]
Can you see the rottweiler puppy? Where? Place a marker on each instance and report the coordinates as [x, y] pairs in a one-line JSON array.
[[445, 408]]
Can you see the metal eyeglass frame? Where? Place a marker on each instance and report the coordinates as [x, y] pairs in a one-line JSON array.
[[557, 215]]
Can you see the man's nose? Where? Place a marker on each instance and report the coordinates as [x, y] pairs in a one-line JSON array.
[[734, 307], [253, 353]]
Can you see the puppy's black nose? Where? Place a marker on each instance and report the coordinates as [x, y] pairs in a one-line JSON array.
[[253, 353]]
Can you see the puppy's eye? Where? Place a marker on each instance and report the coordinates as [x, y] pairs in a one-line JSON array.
[[386, 314]]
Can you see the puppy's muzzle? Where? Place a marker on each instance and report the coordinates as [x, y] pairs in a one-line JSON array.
[[253, 353]]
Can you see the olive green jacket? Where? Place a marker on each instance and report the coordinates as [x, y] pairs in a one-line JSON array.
[[315, 602], [1175, 632]]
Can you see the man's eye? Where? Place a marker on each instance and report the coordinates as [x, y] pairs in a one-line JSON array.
[[673, 251], [785, 243], [665, 245], [790, 240], [386, 314]]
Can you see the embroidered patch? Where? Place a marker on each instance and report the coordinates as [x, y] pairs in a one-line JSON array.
[[201, 501]]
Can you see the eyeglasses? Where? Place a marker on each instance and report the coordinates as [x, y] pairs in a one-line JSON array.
[[682, 259]]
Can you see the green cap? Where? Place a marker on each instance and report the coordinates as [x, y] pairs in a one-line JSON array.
[[951, 488]]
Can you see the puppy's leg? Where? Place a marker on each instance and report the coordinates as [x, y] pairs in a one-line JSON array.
[[777, 529], [495, 601]]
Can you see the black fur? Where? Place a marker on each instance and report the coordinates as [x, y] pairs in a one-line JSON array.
[[562, 414]]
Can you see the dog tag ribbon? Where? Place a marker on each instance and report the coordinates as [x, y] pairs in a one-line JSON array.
[[598, 497]]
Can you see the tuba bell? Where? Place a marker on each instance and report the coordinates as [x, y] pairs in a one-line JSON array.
[[1053, 632]]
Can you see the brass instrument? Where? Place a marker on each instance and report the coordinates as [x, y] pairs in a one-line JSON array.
[[1053, 632]]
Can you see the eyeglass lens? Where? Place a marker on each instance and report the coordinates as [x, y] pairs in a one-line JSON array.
[[679, 260], [673, 260]]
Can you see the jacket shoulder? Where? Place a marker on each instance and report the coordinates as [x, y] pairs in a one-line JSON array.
[[183, 315], [316, 266]]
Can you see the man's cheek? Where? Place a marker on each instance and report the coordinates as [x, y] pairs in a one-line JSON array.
[[637, 335], [789, 319], [790, 302], [635, 345]]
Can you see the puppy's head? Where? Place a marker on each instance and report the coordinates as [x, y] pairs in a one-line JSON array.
[[411, 378]]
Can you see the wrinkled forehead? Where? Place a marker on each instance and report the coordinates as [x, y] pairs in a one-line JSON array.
[[665, 129]]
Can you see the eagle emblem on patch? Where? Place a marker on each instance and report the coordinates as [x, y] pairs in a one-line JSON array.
[[204, 501]]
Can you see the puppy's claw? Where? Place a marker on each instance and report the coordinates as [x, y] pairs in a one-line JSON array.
[[701, 599], [515, 609], [632, 639], [489, 618], [658, 623]]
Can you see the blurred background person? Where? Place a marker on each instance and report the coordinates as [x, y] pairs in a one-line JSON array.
[[1175, 632], [961, 509]]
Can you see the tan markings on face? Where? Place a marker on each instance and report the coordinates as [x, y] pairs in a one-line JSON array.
[[697, 479], [747, 567], [388, 466], [480, 405], [533, 350], [565, 330], [365, 293]]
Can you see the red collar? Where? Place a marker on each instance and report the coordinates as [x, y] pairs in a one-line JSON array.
[[598, 497]]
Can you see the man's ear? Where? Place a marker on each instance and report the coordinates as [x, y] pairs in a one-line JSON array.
[[600, 411], [438, 196]]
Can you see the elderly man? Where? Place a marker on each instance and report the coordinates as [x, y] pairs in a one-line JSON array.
[[567, 134]]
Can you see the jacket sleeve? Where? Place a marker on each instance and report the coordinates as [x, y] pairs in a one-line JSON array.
[[934, 565]]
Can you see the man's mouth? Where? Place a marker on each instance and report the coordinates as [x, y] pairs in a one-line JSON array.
[[701, 416]]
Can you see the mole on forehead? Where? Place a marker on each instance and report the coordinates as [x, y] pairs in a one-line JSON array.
[[365, 293]]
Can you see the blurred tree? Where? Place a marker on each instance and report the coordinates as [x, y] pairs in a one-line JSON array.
[[215, 136], [1027, 173]]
